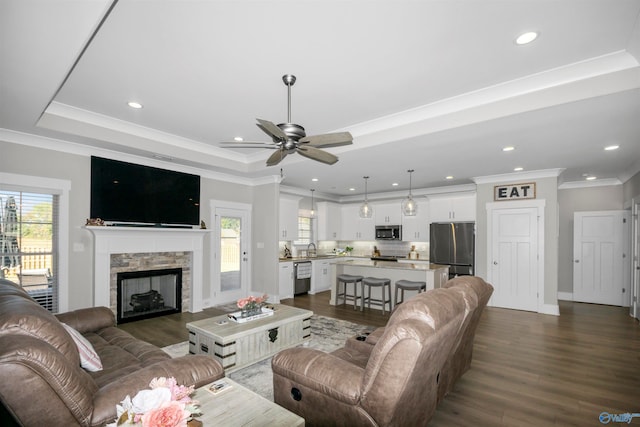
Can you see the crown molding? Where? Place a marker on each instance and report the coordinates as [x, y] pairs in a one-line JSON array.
[[519, 176], [589, 184]]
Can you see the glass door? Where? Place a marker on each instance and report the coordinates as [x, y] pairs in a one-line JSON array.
[[232, 254]]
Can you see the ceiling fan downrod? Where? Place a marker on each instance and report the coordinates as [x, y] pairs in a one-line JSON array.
[[289, 80]]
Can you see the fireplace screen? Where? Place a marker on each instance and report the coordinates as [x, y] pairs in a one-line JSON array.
[[145, 294]]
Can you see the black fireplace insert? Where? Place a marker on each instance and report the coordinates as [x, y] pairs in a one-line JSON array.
[[149, 293]]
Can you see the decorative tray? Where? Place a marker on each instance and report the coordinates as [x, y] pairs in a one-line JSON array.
[[237, 316]]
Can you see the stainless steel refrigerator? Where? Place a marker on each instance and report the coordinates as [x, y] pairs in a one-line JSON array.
[[453, 244]]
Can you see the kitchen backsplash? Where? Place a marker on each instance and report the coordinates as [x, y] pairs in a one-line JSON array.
[[360, 248]]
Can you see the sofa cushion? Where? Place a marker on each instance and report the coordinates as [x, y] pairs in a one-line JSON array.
[[121, 354], [89, 359]]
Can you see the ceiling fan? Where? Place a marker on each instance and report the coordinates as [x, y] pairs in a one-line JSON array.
[[289, 137]]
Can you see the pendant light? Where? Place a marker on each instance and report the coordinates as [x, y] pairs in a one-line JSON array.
[[312, 212], [409, 206], [366, 210]]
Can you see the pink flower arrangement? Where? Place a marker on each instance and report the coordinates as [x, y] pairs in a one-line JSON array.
[[166, 404], [251, 302]]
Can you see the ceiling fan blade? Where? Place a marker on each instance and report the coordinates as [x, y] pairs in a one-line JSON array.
[[316, 154], [249, 144], [276, 157], [328, 140], [272, 130]]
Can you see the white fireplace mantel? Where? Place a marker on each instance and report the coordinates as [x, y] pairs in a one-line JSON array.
[[116, 240]]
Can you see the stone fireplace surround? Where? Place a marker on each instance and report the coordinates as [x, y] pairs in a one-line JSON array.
[[146, 241]]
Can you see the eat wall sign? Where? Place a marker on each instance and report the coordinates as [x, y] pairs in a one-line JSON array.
[[514, 191]]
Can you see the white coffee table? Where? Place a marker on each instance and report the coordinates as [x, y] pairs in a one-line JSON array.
[[236, 345], [239, 406]]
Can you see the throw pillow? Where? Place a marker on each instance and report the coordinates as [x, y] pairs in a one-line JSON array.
[[89, 359]]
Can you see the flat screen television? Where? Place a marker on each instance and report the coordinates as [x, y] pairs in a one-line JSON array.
[[128, 194]]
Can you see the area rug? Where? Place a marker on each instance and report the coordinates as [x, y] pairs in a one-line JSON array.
[[327, 335]]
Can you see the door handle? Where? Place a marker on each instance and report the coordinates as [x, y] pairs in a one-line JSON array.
[[577, 261], [495, 262]]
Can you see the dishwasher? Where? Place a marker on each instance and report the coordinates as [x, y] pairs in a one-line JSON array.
[[301, 277]]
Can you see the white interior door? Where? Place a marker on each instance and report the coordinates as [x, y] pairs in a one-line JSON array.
[[231, 253], [514, 258], [598, 274]]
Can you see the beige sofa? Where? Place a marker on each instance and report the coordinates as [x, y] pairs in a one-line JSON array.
[[396, 375], [43, 382]]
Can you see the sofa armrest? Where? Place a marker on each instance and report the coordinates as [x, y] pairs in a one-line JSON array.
[[320, 371], [33, 371], [187, 370], [88, 319]]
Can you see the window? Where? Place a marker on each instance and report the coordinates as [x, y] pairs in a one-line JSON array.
[[28, 248], [304, 231]]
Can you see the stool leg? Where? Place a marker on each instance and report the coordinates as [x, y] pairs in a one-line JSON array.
[[389, 294], [395, 298], [361, 295], [355, 295], [383, 298]]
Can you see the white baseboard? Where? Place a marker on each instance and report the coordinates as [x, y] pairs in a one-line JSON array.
[[552, 309], [565, 296], [315, 291]]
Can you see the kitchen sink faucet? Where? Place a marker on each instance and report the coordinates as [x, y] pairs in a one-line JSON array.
[[309, 253]]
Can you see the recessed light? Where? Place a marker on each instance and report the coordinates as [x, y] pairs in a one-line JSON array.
[[508, 148], [448, 177], [352, 189], [238, 139], [314, 179], [134, 104], [611, 147], [395, 184], [518, 169], [591, 178], [527, 37]]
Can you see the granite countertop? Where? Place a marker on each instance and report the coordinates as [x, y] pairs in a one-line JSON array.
[[392, 265], [318, 257]]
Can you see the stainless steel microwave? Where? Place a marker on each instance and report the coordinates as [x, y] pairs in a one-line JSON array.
[[388, 232]]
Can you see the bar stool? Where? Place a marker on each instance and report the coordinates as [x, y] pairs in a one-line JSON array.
[[375, 282], [408, 285], [346, 279]]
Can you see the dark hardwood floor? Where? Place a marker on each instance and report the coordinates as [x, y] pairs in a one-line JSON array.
[[528, 368]]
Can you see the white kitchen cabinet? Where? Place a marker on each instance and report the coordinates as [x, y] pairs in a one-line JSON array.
[[288, 217], [355, 228], [321, 275], [452, 208], [388, 213], [285, 280], [416, 228], [329, 220]]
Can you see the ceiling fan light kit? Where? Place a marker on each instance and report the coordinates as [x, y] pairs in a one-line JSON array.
[[409, 206], [289, 138], [366, 210]]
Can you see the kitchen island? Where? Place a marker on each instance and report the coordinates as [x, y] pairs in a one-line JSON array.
[[434, 274]]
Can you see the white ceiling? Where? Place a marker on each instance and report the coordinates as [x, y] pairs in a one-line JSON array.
[[435, 86]]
